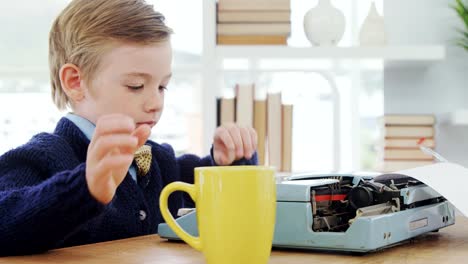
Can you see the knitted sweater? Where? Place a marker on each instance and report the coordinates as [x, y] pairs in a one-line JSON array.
[[45, 202]]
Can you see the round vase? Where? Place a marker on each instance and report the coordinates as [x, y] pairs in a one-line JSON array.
[[324, 25]]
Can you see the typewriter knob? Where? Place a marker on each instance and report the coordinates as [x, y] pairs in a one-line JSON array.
[[360, 196]]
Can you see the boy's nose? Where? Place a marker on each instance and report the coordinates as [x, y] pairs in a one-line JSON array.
[[153, 101]]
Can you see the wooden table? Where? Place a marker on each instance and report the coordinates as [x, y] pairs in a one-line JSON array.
[[450, 245]]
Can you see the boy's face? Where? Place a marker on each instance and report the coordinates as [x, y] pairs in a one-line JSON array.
[[130, 80]]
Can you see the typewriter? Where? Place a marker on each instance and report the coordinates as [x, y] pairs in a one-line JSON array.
[[348, 212]]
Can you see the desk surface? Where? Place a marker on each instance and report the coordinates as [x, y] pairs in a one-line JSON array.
[[447, 246]]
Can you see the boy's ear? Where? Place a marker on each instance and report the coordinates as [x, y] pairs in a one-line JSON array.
[[70, 79]]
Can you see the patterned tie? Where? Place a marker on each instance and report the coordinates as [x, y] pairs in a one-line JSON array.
[[143, 159]]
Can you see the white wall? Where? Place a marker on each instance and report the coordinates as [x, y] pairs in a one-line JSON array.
[[438, 89]]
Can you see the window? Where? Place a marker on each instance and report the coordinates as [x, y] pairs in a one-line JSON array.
[[181, 122], [26, 107]]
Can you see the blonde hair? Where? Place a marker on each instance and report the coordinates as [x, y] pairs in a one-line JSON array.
[[86, 29]]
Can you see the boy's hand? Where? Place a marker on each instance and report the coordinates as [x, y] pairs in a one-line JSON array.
[[232, 142], [110, 154]]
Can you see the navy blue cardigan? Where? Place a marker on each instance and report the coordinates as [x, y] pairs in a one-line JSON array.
[[45, 202]]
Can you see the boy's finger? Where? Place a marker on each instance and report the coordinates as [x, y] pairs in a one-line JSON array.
[[222, 159], [114, 124], [112, 166], [254, 138], [237, 139], [142, 133], [246, 142], [106, 144], [224, 137]]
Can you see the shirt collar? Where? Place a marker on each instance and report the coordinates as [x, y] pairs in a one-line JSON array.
[[86, 126]]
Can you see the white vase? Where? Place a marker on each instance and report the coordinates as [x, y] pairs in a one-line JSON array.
[[373, 29], [324, 25]]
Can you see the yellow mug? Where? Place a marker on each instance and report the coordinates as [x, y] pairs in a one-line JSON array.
[[236, 208]]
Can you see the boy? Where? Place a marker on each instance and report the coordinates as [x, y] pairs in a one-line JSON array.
[[110, 62]]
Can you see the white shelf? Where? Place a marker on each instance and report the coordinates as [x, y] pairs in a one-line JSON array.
[[326, 60], [392, 56]]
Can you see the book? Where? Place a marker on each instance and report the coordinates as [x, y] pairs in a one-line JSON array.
[[254, 16], [274, 136], [411, 120], [260, 125], [228, 111], [254, 5], [405, 143], [254, 29], [244, 104], [405, 154], [251, 40], [218, 111], [409, 131], [396, 165], [286, 147]]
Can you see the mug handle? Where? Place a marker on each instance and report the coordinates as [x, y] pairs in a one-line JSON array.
[[170, 188]]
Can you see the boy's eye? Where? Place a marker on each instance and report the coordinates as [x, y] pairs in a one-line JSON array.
[[135, 87], [162, 88]]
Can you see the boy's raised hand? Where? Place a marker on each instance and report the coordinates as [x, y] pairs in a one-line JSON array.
[[110, 154], [233, 142]]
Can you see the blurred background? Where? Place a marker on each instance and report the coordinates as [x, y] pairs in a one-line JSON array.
[[367, 88]]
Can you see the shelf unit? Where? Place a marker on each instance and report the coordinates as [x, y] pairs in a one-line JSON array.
[[424, 54], [391, 56], [214, 55]]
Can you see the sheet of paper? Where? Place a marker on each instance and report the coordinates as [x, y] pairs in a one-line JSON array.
[[448, 179]]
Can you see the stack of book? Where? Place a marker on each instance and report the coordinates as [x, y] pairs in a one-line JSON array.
[[253, 22], [403, 135], [268, 116]]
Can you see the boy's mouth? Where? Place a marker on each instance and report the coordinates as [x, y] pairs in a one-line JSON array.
[[149, 123]]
